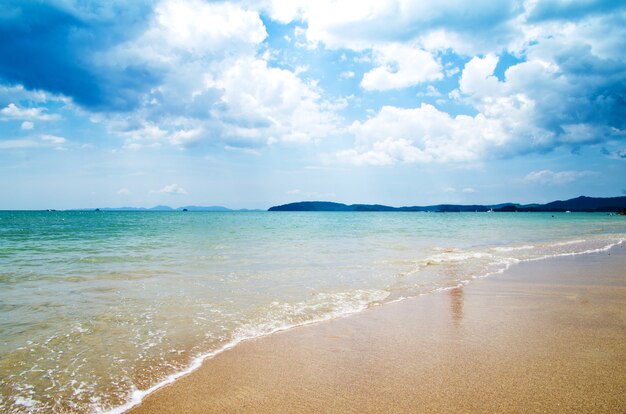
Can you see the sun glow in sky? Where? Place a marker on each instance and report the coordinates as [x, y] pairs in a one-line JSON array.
[[256, 103]]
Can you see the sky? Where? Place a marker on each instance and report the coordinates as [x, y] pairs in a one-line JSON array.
[[250, 104]]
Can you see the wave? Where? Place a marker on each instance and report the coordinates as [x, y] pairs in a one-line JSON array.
[[327, 306], [280, 317], [513, 248]]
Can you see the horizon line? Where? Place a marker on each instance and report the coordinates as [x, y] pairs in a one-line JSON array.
[[217, 206]]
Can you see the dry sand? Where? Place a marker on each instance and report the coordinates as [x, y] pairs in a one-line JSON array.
[[545, 336]]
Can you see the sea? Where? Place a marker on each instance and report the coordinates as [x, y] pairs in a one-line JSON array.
[[100, 308]]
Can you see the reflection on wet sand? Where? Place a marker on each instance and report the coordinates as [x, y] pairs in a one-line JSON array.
[[456, 305]]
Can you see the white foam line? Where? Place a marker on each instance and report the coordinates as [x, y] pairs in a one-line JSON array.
[[138, 396], [598, 250], [507, 266], [551, 256]]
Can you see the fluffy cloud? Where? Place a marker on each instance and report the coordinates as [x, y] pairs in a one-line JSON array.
[[199, 27], [260, 102], [171, 189], [53, 139], [213, 86], [556, 178], [423, 134], [399, 66], [184, 31], [359, 24], [477, 77], [567, 88], [15, 112], [184, 73], [118, 57], [539, 105]]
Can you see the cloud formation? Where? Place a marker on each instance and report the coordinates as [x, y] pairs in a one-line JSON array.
[[361, 24], [15, 112], [561, 95], [171, 189], [509, 78], [53, 47], [399, 66]]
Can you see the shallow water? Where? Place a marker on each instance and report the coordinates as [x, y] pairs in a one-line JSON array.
[[97, 307]]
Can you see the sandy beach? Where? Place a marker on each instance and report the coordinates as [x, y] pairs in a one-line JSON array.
[[545, 336]]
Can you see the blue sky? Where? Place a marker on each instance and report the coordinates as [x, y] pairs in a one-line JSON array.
[[249, 104]]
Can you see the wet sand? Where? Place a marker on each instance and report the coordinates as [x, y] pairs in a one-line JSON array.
[[545, 336]]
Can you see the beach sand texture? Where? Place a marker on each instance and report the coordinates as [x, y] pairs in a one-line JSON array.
[[545, 336]]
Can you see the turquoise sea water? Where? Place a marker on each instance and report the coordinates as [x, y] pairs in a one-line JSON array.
[[98, 308]]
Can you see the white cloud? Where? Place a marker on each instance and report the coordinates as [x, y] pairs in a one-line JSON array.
[[449, 189], [566, 90], [18, 93], [123, 191], [186, 137], [422, 134], [171, 189], [537, 107], [294, 192], [26, 125], [53, 139], [358, 24], [137, 132], [385, 152], [197, 28], [15, 112], [468, 190], [399, 66], [477, 77], [260, 103], [214, 78], [556, 178], [216, 84]]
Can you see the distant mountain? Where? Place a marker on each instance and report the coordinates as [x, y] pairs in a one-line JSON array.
[[583, 203], [161, 208], [330, 206], [579, 204], [313, 206], [168, 208]]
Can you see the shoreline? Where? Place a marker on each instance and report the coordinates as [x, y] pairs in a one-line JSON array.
[[138, 396], [172, 390]]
